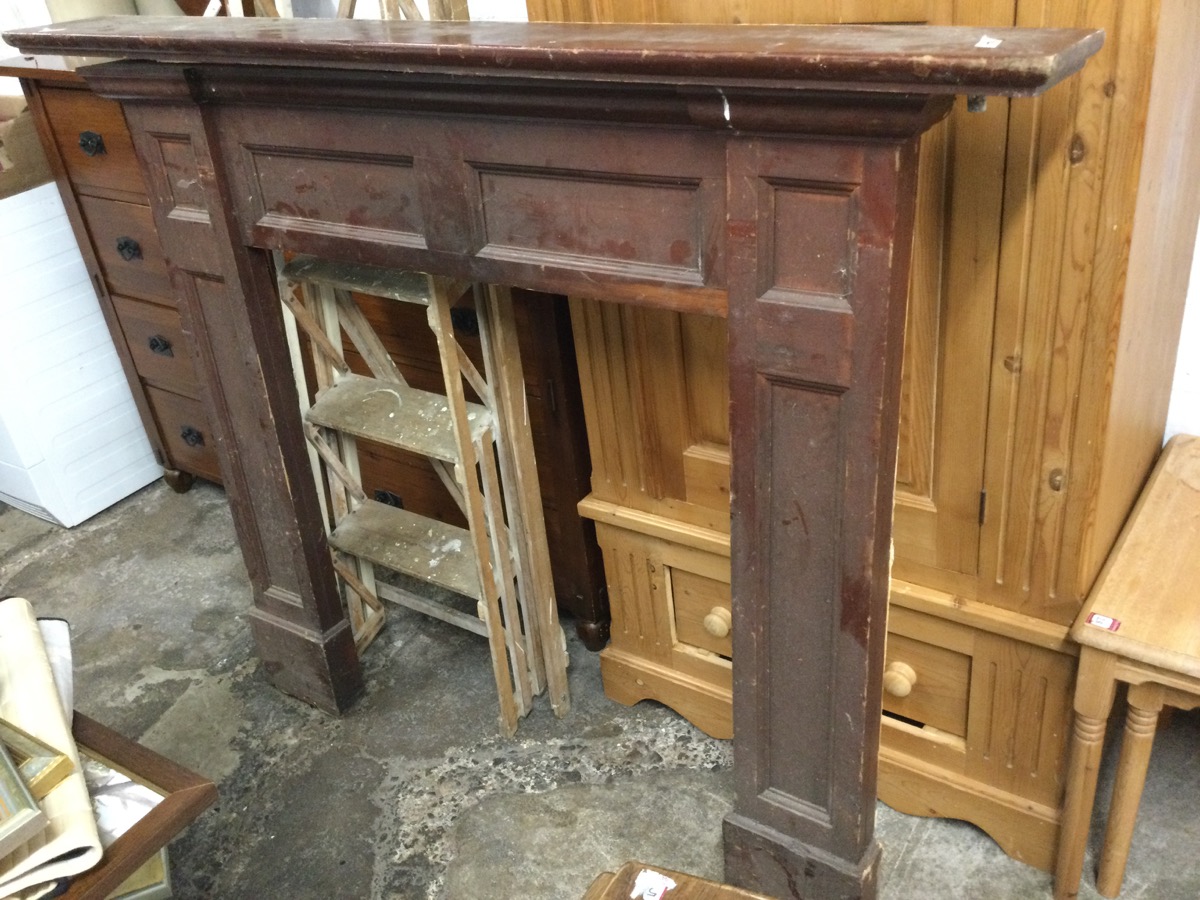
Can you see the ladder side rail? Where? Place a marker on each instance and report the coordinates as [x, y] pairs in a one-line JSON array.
[[518, 466], [511, 706]]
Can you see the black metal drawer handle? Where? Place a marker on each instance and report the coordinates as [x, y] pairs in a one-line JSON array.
[[91, 143], [160, 345], [129, 249], [191, 436]]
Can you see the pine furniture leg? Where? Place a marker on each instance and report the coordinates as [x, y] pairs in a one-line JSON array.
[[1093, 701], [1141, 721]]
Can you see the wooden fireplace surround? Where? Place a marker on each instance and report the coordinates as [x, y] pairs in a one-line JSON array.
[[766, 174]]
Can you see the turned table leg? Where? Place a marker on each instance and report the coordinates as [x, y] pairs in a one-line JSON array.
[[1141, 721], [1094, 690]]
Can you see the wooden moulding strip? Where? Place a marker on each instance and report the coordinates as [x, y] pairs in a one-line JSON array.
[[993, 619], [663, 527]]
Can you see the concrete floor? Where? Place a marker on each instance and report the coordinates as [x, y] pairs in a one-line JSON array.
[[414, 794]]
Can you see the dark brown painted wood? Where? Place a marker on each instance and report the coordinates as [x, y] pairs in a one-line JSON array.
[[303, 637], [780, 165], [815, 353], [934, 59]]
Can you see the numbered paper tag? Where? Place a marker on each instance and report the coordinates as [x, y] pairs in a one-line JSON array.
[[988, 43], [650, 885]]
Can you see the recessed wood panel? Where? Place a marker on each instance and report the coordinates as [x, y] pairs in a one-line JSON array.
[[643, 226], [809, 249], [801, 526], [181, 173], [342, 194]]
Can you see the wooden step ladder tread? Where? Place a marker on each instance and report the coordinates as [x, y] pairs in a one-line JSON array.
[[394, 414], [378, 281], [414, 545]]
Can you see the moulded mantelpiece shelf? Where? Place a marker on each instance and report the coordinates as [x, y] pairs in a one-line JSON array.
[[396, 415], [413, 545]]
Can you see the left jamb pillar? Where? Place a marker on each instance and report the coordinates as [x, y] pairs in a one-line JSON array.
[[228, 303]]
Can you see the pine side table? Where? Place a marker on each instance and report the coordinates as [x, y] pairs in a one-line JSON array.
[[1138, 627]]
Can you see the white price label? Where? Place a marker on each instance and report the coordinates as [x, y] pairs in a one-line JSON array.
[[650, 885]]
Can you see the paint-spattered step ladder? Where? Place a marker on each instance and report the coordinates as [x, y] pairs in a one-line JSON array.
[[482, 452]]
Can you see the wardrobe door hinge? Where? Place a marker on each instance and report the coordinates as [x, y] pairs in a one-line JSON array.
[[982, 506]]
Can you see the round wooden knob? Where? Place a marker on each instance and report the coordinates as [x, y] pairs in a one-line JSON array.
[[899, 678], [718, 622]]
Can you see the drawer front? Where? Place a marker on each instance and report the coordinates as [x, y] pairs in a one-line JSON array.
[[93, 141], [185, 433], [127, 245], [927, 683], [155, 338], [702, 612]]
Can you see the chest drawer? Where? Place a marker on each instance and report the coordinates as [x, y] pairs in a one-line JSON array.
[[926, 683], [128, 248], [702, 612], [185, 432], [93, 141], [155, 338]]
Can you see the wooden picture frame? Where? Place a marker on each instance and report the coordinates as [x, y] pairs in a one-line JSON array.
[[20, 816], [185, 795], [41, 766]]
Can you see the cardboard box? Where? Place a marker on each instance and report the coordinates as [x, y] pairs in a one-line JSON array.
[[22, 161]]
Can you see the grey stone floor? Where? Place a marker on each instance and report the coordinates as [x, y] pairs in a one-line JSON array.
[[414, 794]]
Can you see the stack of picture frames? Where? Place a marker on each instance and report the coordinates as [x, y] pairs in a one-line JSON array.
[[29, 769], [84, 812]]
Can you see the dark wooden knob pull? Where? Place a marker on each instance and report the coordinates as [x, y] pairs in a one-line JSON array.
[[129, 249], [160, 345], [191, 436], [91, 143]]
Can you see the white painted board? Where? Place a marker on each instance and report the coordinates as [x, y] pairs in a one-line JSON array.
[[71, 440]]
